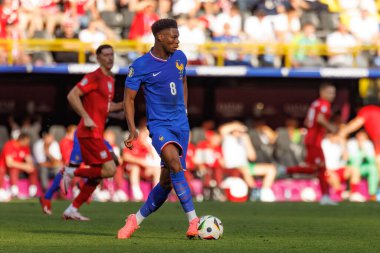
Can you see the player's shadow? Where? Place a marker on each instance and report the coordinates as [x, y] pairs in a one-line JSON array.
[[66, 232]]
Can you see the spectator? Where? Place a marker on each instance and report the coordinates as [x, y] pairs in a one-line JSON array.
[[239, 153], [361, 155], [286, 24], [307, 48], [233, 20], [30, 17], [165, 9], [340, 46], [16, 158], [184, 7], [66, 144], [203, 132], [209, 160], [289, 145], [335, 153], [51, 15], [368, 35], [15, 34], [142, 21], [263, 139], [48, 157], [67, 32], [96, 33], [137, 165], [81, 11], [192, 37]]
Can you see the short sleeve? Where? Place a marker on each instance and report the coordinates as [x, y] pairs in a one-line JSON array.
[[87, 84], [362, 113], [324, 108], [135, 78]]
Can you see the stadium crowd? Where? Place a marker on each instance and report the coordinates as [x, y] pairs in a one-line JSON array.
[[256, 154], [340, 24]]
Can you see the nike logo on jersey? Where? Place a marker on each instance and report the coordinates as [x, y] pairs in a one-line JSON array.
[[156, 74]]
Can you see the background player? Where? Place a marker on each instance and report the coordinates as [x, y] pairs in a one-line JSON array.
[[317, 122], [74, 161], [92, 98], [162, 73]]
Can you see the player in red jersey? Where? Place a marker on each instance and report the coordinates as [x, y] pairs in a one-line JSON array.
[[15, 158], [92, 98], [369, 117], [317, 122]]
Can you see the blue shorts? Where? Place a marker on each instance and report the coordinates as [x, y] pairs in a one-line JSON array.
[[162, 136], [76, 154]]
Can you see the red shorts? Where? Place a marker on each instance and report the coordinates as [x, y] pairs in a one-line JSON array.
[[94, 151], [314, 155], [340, 173]]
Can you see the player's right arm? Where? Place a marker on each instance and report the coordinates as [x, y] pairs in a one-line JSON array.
[[129, 108], [74, 98], [132, 85], [352, 126], [321, 119]]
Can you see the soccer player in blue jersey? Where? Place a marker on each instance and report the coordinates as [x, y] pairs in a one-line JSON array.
[[75, 162], [161, 72]]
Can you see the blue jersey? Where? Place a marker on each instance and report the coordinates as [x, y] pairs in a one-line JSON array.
[[162, 81]]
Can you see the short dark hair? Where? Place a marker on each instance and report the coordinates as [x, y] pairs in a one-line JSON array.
[[23, 136], [162, 24], [101, 47]]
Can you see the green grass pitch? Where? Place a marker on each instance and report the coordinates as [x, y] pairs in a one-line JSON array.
[[249, 227]]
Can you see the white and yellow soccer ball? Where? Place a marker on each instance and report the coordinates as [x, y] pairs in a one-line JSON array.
[[210, 228]]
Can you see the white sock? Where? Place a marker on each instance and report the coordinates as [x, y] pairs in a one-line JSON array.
[[191, 215], [139, 218], [71, 208], [70, 170]]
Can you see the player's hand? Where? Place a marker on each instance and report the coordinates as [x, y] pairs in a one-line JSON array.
[[89, 123], [132, 136], [29, 168]]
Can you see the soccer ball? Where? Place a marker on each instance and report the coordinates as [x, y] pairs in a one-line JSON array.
[[210, 228]]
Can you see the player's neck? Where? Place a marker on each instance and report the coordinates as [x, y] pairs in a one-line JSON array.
[[106, 71], [160, 53]]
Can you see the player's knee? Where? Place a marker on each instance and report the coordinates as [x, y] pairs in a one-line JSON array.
[[174, 165], [109, 170], [166, 183]]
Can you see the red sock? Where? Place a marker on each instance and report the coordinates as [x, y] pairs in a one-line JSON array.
[[88, 173], [85, 192], [354, 188], [300, 169], [323, 181]]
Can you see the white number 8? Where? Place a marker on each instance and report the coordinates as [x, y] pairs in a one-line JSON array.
[[173, 88]]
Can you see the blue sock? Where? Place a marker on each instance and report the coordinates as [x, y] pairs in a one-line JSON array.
[[156, 198], [182, 190], [54, 187]]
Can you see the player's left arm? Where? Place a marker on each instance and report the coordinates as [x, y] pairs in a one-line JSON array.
[[116, 106], [185, 91]]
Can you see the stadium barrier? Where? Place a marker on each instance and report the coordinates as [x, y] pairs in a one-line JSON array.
[[215, 49]]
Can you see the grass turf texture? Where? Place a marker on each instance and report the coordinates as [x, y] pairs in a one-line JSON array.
[[249, 227]]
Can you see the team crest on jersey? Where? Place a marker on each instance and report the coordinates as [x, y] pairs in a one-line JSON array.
[[109, 86], [131, 72], [181, 68], [161, 138], [103, 154], [84, 82]]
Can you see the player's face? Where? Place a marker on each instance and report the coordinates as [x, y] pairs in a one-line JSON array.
[[329, 93], [105, 58], [169, 40]]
